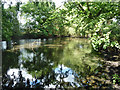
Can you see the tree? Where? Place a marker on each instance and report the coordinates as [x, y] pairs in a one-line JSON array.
[[36, 14], [95, 18], [10, 24], [89, 13]]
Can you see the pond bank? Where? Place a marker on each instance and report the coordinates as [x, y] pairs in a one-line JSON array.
[[113, 67]]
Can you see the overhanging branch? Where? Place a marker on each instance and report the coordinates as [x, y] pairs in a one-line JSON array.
[[81, 8], [90, 15]]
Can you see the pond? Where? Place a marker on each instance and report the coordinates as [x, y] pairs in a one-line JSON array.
[[52, 63]]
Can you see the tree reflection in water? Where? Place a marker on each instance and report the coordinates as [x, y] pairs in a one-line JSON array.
[[58, 63], [58, 78]]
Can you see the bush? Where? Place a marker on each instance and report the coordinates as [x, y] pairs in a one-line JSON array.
[[106, 36]]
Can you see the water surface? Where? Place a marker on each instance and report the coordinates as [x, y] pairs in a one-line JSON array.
[[51, 63]]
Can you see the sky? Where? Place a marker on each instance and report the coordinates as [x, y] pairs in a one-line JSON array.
[[58, 2]]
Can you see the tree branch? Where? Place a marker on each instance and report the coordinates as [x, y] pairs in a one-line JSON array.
[[98, 14], [81, 8], [88, 7], [90, 15]]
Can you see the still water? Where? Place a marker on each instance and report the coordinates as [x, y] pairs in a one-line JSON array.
[[51, 63]]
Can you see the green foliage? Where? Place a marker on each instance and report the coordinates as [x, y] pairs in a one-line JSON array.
[[44, 19], [95, 19], [10, 24], [86, 15], [106, 36], [37, 17], [116, 79], [56, 23]]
